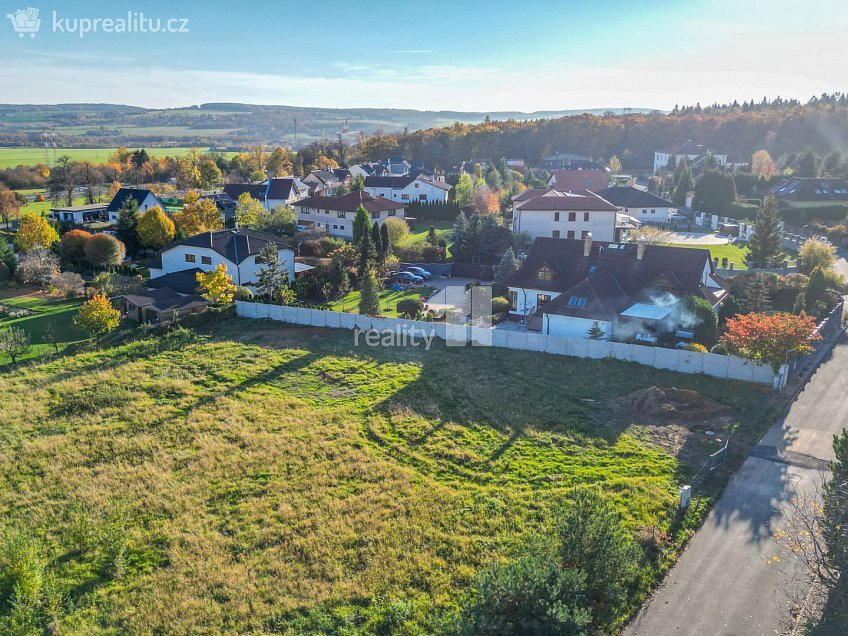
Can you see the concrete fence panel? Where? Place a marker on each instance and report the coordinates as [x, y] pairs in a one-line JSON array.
[[763, 374], [666, 358], [378, 324], [334, 319], [397, 325], [290, 314], [598, 348], [740, 369], [318, 318], [621, 351], [535, 342], [481, 336], [556, 345], [516, 340], [362, 322], [348, 321], [275, 312], [690, 362], [578, 347], [715, 365], [499, 338], [642, 354]]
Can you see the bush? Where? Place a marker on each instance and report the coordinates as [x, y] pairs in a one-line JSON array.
[[410, 307], [699, 348], [321, 247], [739, 210], [68, 283], [5, 274], [500, 305], [432, 211], [835, 212], [243, 293], [36, 267]]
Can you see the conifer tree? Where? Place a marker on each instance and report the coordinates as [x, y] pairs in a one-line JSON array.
[[766, 244]]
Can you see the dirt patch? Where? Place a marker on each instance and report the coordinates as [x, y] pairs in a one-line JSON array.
[[671, 404]]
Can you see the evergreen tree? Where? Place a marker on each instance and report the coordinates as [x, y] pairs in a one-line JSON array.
[[126, 228], [366, 254], [7, 256], [369, 295], [766, 244], [595, 331], [432, 239], [459, 236], [272, 279], [508, 265], [835, 499], [385, 242], [339, 279], [706, 327], [684, 185], [361, 224], [756, 296], [681, 167], [807, 164], [377, 242], [814, 293]]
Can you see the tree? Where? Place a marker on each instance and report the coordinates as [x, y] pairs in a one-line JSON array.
[[97, 316], [14, 342], [369, 295], [766, 244], [397, 230], [104, 250], [463, 190], [126, 228], [199, 216], [769, 338], [111, 284], [386, 240], [9, 205], [361, 224], [280, 220], [357, 184], [615, 165], [762, 165], [591, 539], [279, 163], [273, 276], [756, 295], [69, 284], [714, 190], [684, 186], [835, 509], [367, 254], [35, 231], [432, 237], [530, 595], [208, 173], [377, 243], [704, 319], [36, 267], [155, 229], [216, 285], [53, 334], [7, 256], [595, 331], [507, 267], [815, 253], [72, 246], [249, 211], [807, 164], [815, 303]]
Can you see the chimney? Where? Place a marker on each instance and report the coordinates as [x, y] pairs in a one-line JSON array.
[[640, 249], [587, 244]]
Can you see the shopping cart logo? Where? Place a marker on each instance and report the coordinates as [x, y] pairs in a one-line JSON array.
[[25, 21]]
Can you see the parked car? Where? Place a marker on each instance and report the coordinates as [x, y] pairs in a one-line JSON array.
[[676, 216], [407, 277], [418, 271]]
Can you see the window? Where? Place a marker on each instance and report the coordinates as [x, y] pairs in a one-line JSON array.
[[190, 258], [335, 227], [542, 300], [556, 234], [392, 212], [422, 197], [571, 234], [585, 216], [513, 299], [653, 211], [572, 216], [556, 216], [644, 211], [206, 260], [584, 233], [545, 273], [375, 215], [341, 214], [577, 301], [404, 197], [416, 184]]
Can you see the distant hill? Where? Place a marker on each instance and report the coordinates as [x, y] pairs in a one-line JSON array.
[[228, 124]]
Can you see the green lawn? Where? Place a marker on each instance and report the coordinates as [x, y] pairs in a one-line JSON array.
[[13, 157], [733, 252], [388, 300], [44, 311], [422, 228], [259, 478], [43, 207]]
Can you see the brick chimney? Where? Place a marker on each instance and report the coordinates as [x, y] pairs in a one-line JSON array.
[[587, 244], [640, 249]]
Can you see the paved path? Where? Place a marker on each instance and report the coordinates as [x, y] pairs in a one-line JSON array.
[[722, 584], [698, 238]]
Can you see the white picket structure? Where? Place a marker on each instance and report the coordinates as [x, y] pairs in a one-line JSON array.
[[681, 361]]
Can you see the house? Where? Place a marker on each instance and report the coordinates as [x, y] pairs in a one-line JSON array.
[[640, 204], [565, 180], [335, 215], [630, 289], [144, 197], [282, 191], [408, 189], [225, 204], [79, 214], [568, 161], [568, 215], [696, 156], [800, 192], [326, 182], [238, 249], [158, 305]]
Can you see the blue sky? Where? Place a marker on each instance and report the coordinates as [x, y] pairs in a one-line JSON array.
[[487, 56]]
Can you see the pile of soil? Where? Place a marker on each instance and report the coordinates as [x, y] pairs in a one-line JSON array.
[[671, 404]]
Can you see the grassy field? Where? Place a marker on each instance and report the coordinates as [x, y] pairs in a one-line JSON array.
[[44, 311], [273, 479], [733, 252], [13, 157], [388, 300]]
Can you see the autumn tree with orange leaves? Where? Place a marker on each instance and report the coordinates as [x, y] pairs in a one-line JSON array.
[[769, 338]]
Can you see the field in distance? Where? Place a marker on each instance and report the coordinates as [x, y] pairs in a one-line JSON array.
[[13, 157]]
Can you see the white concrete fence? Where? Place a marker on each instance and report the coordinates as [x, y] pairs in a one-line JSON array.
[[715, 365]]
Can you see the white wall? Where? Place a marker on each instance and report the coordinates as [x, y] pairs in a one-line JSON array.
[[412, 192], [542, 224], [571, 327], [330, 222], [174, 260], [660, 215], [526, 300]]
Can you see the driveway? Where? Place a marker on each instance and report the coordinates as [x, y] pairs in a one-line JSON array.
[[697, 238], [722, 583], [450, 292]]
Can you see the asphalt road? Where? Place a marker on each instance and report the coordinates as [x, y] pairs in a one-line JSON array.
[[722, 584]]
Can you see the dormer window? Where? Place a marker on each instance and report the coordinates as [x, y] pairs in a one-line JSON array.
[[545, 273], [577, 301]]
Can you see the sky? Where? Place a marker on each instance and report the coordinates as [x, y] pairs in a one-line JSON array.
[[433, 55]]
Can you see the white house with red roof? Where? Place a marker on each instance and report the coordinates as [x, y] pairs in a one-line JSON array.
[[552, 213]]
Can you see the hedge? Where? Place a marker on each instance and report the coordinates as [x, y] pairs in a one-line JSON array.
[[739, 210], [432, 211], [832, 212]]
